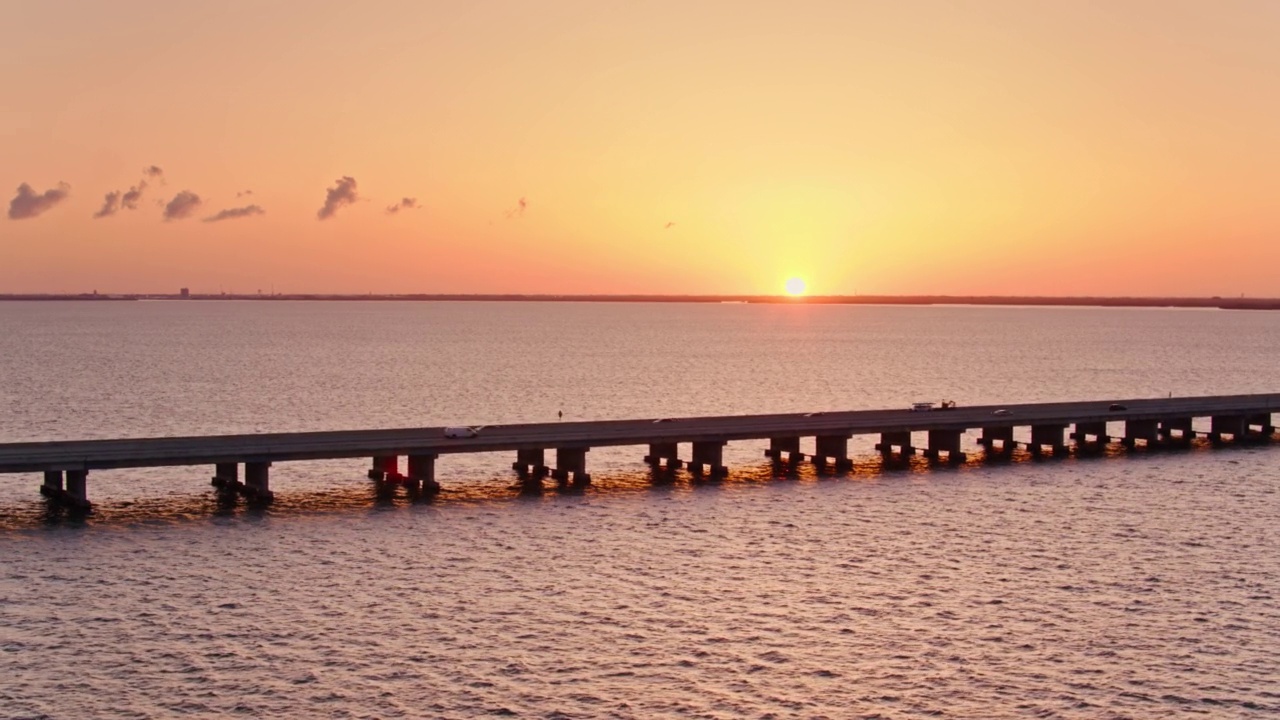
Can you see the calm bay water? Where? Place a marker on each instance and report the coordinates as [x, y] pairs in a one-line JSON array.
[[1140, 585]]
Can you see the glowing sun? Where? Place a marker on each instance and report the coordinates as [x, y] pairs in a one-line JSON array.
[[795, 286]]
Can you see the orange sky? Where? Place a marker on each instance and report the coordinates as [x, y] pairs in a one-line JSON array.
[[1067, 148]]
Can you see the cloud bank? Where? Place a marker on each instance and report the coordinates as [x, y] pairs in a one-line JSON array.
[[183, 205], [232, 213], [28, 203], [338, 196], [154, 172], [404, 204]]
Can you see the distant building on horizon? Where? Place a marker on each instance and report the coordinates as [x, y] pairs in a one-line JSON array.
[[184, 293]]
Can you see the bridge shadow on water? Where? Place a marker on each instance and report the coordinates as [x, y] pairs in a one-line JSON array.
[[374, 498]]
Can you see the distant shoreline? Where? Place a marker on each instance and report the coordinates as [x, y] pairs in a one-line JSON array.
[[998, 300]]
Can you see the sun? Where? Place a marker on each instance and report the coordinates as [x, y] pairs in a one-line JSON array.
[[795, 286]]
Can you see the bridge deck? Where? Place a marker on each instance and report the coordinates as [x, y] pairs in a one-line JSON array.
[[272, 447]]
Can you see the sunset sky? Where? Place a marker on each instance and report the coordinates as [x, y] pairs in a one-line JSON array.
[[1122, 147]]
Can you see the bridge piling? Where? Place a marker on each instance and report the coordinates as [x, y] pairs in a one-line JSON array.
[[257, 484], [945, 442], [531, 461], [784, 449], [1090, 436], [224, 473], [1048, 436], [422, 472], [77, 493], [1177, 430], [708, 457], [896, 439], [70, 493], [226, 477], [1222, 425], [52, 485], [1263, 424], [997, 440], [1148, 431], [383, 466], [664, 455], [833, 449], [572, 462]]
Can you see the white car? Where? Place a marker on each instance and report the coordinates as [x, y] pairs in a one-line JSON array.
[[461, 432], [1001, 411]]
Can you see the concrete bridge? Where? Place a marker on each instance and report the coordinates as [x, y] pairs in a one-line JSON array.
[[65, 465]]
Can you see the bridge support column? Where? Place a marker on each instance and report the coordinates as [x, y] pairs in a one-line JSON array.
[[900, 440], [52, 485], [1148, 431], [1177, 430], [945, 441], [997, 440], [833, 449], [1050, 436], [531, 461], [664, 455], [1262, 422], [784, 449], [226, 474], [77, 494], [257, 484], [1232, 425], [572, 461], [708, 456], [226, 477], [70, 494], [1085, 430], [422, 472], [384, 467]]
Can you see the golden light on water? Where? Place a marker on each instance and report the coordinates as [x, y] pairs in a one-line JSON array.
[[795, 286]]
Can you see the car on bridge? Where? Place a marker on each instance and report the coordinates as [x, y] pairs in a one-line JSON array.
[[461, 432]]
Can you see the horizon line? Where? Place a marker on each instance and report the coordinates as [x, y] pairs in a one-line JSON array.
[[1215, 301]]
